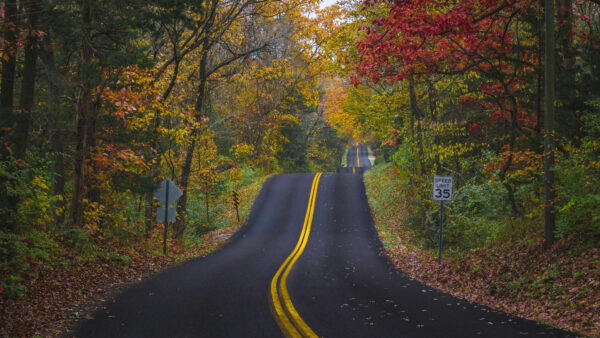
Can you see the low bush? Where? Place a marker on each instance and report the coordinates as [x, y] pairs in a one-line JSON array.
[[20, 257]]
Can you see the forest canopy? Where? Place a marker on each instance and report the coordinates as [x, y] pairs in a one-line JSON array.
[[102, 100]]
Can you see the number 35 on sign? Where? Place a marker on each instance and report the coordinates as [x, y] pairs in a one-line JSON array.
[[442, 188]]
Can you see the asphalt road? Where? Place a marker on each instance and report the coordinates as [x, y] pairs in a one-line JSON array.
[[321, 247], [357, 160]]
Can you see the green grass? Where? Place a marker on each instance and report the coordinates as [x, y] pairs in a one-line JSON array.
[[371, 157], [385, 194], [344, 158]]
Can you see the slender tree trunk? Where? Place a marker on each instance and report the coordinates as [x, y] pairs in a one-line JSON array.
[[568, 113], [207, 196], [28, 82], [549, 191], [540, 76], [153, 172], [9, 60], [179, 226], [56, 133], [565, 16], [92, 190], [511, 125], [414, 106], [58, 185], [82, 109], [149, 213], [154, 143], [434, 118]]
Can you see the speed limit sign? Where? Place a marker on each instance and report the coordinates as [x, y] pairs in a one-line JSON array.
[[442, 188], [442, 191]]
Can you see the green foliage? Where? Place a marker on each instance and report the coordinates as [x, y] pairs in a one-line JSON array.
[[120, 258], [385, 193], [312, 146], [386, 152], [475, 218], [405, 158], [293, 155], [579, 183], [487, 199], [81, 241], [28, 181], [249, 175], [20, 257]]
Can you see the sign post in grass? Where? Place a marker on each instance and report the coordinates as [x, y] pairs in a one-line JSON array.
[[442, 191]]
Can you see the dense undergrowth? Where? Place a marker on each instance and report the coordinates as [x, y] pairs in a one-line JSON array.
[[122, 236], [490, 256]]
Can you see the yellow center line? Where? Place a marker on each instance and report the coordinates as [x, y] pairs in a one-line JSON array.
[[293, 325], [357, 158]]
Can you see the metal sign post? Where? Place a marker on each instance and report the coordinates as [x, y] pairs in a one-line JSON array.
[[167, 193], [166, 222], [442, 191], [441, 229]]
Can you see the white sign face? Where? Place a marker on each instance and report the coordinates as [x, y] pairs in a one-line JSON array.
[[161, 192], [442, 188]]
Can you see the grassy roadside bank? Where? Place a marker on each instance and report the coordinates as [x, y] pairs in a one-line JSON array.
[[560, 286], [60, 295]]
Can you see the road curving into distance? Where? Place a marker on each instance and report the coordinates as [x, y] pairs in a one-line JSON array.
[[307, 262], [357, 160]]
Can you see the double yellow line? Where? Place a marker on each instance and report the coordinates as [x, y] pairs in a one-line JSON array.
[[357, 158], [288, 319]]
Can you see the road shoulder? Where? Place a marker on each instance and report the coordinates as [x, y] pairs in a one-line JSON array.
[[390, 208]]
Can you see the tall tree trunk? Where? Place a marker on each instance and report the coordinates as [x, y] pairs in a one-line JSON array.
[[28, 83], [434, 117], [512, 127], [82, 109], [539, 75], [149, 212], [568, 113], [565, 17], [92, 190], [56, 132], [9, 60], [549, 192], [416, 112], [179, 226]]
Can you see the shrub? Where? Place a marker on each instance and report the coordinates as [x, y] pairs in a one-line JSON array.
[[578, 183], [20, 254]]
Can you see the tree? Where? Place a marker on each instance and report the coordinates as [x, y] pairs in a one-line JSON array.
[[549, 194]]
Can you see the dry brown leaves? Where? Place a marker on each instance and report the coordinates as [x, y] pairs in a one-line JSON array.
[[58, 297], [559, 287]]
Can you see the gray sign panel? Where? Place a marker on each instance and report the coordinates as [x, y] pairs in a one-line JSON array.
[[160, 214], [161, 192]]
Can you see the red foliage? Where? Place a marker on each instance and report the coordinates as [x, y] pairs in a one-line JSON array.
[[438, 37], [474, 127]]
